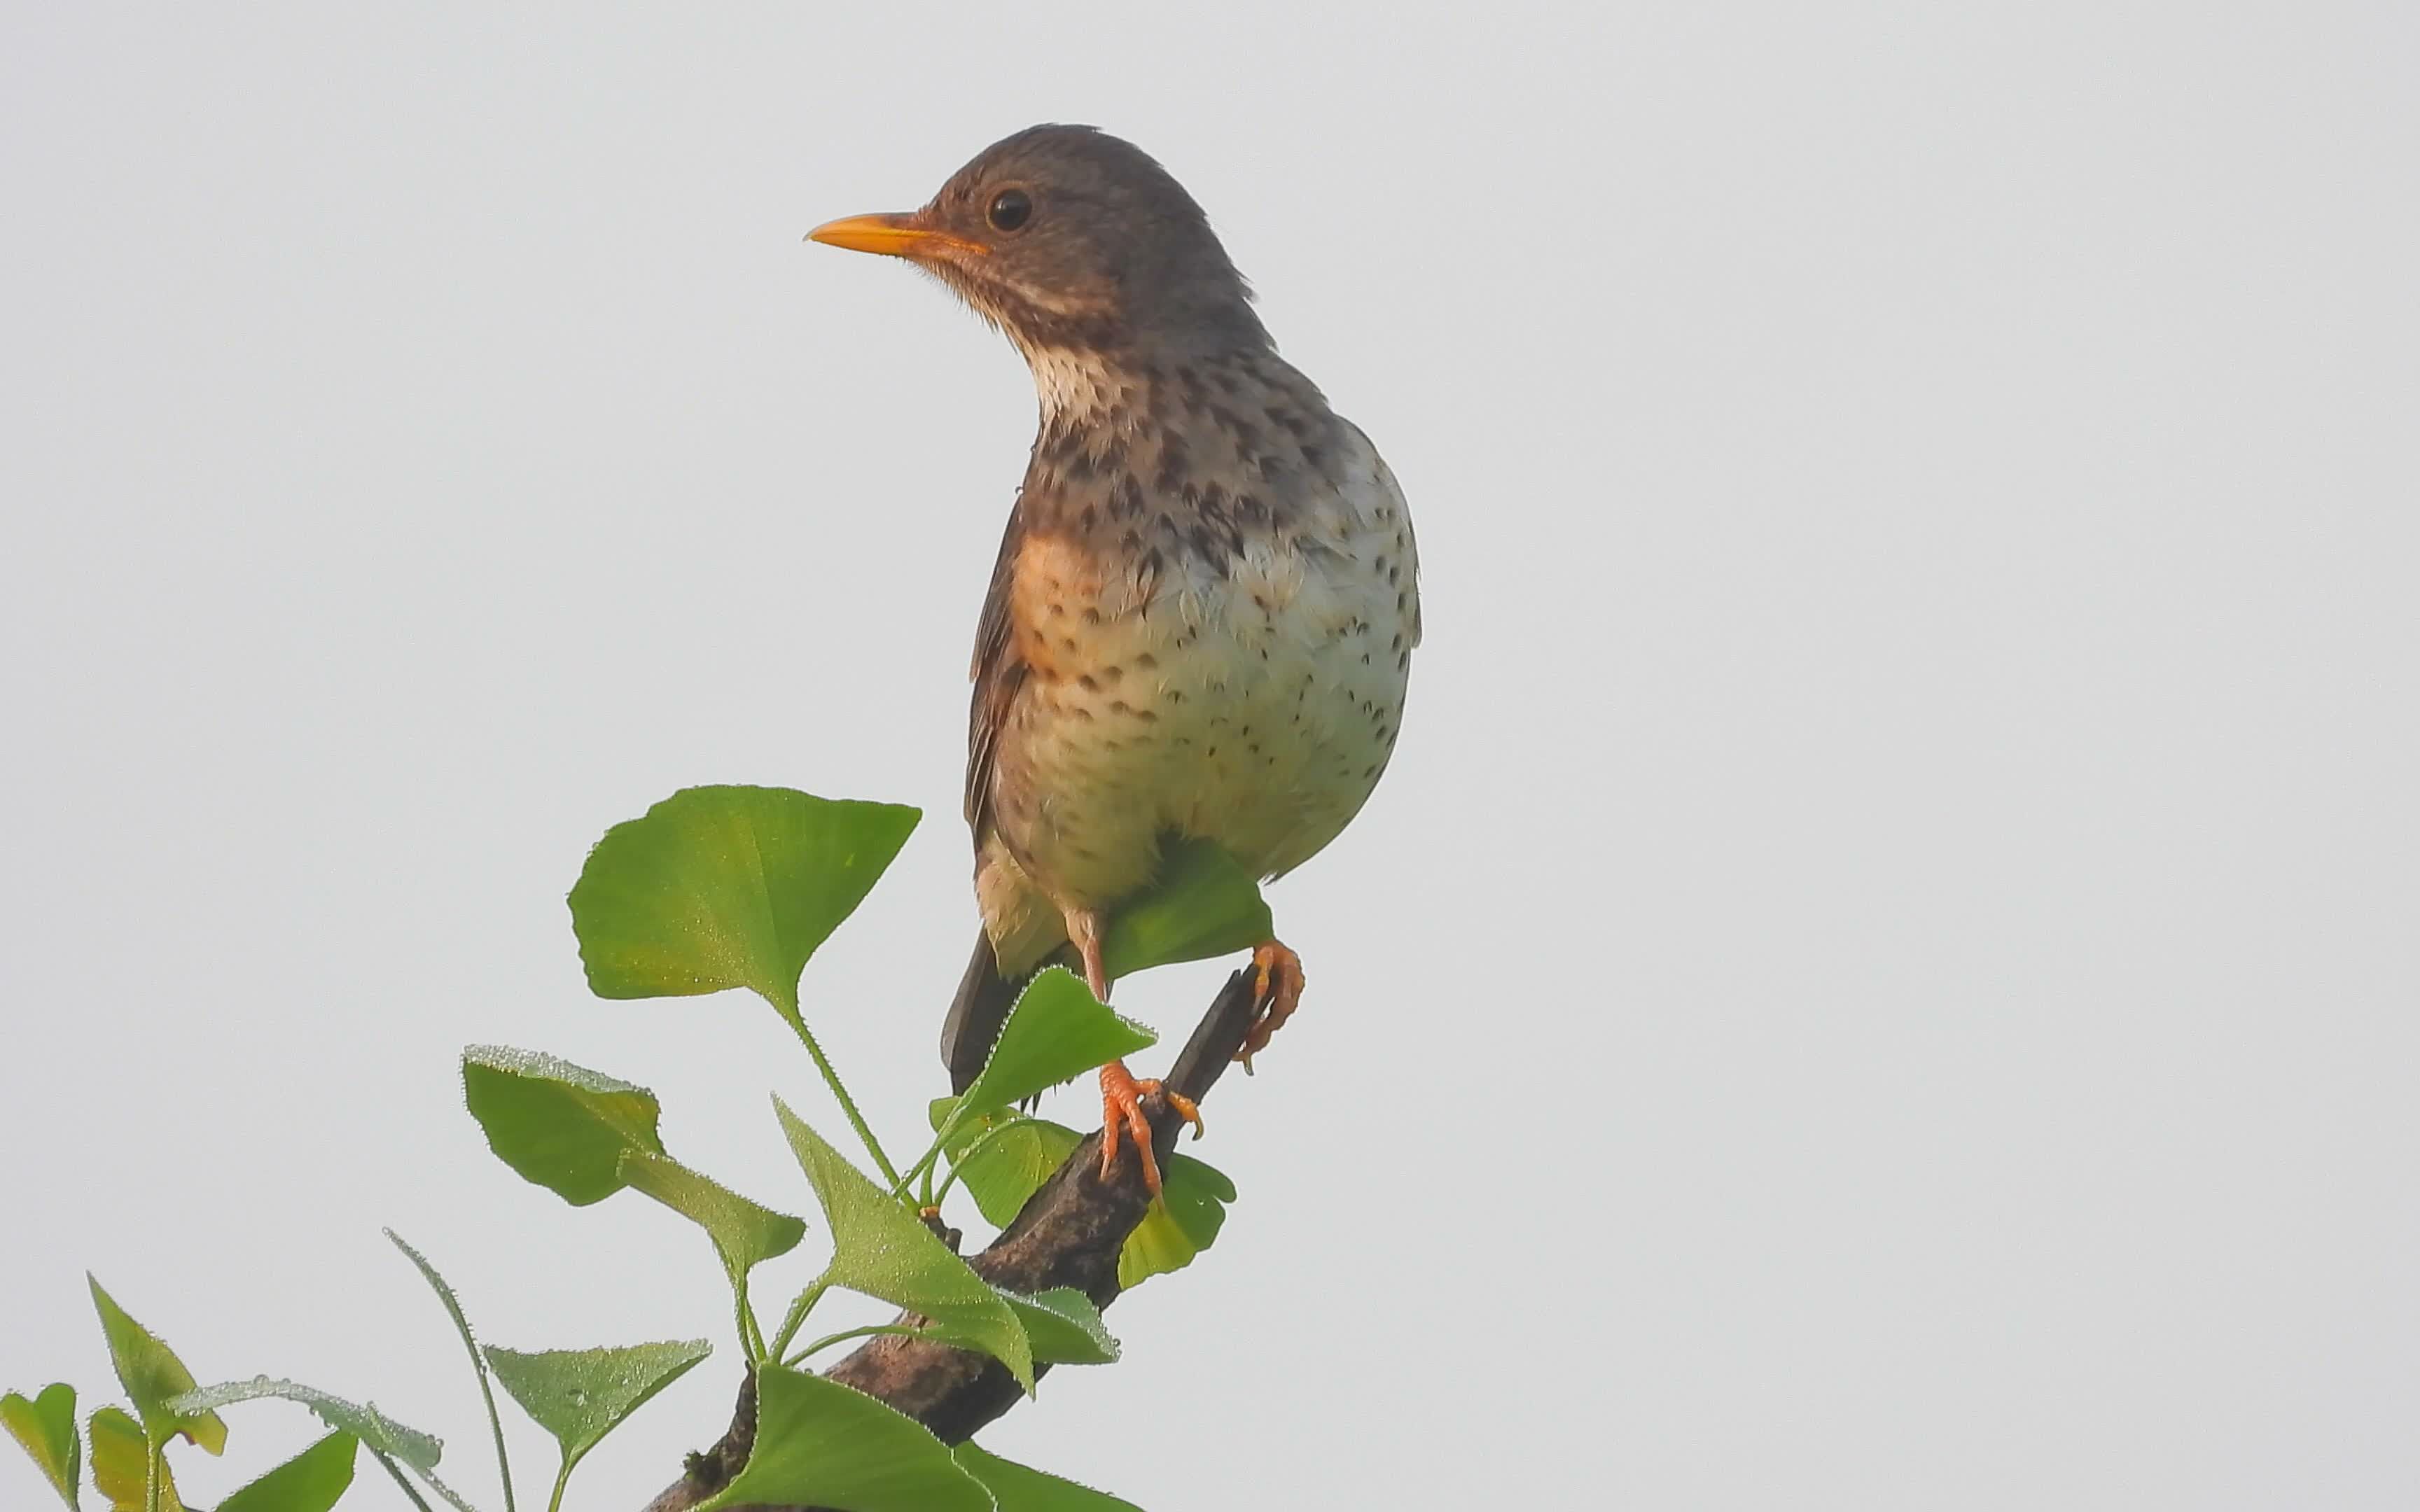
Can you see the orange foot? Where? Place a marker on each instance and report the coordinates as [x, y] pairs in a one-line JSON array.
[[1122, 1114], [1277, 992]]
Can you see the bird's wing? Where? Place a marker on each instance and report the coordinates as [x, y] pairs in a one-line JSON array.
[[998, 674]]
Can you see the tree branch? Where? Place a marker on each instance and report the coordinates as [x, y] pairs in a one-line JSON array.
[[1068, 1235]]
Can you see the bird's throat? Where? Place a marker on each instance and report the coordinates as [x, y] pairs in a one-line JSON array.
[[1075, 386]]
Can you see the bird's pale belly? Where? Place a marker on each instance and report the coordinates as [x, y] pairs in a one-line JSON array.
[[1255, 708]]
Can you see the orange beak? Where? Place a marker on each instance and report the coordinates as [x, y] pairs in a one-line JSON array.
[[893, 235]]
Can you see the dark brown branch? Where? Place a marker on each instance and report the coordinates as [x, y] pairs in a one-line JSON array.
[[1068, 1235]]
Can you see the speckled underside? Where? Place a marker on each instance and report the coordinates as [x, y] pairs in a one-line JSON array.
[[1201, 622]]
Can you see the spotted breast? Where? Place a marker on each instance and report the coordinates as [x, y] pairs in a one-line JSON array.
[[1201, 625]]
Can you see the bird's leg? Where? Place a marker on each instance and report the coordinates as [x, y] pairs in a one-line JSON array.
[[1277, 992], [1122, 1114], [1121, 1094], [1084, 929]]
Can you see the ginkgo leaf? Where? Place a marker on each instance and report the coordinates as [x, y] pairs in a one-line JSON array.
[[580, 1395], [819, 1443], [310, 1482], [1017, 1488], [121, 1461], [1064, 1326], [1057, 1030], [727, 886], [364, 1421], [1202, 903], [559, 1125], [1183, 1223], [152, 1374], [45, 1425]]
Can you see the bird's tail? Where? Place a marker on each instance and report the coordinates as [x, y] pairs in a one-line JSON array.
[[984, 997]]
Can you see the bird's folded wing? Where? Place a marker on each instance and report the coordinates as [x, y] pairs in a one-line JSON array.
[[998, 674]]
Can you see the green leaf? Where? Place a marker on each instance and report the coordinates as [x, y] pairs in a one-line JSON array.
[[310, 1482], [380, 1432], [1020, 1489], [1202, 903], [478, 1367], [1002, 1172], [882, 1249], [727, 886], [1064, 1326], [580, 1395], [562, 1126], [1057, 1030], [744, 1233], [46, 1426], [121, 1459], [1192, 1205], [152, 1374], [419, 1450], [819, 1443]]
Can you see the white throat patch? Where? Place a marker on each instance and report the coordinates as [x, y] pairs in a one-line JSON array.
[[1070, 385]]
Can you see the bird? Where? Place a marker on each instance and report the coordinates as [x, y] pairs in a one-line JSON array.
[[1201, 620]]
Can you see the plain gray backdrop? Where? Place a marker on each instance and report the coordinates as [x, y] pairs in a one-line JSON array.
[[1884, 973]]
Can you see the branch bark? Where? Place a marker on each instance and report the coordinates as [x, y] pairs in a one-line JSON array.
[[1068, 1235]]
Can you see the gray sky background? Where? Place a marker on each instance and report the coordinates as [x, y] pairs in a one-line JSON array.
[[1884, 974]]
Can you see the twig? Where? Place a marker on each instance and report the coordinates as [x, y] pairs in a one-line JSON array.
[[1068, 1235]]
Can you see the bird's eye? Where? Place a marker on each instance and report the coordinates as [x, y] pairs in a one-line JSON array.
[[1010, 208]]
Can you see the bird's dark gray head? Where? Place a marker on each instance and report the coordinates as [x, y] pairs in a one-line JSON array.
[[1071, 239]]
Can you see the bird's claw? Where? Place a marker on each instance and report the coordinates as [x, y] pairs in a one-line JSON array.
[[1122, 1115], [1277, 990]]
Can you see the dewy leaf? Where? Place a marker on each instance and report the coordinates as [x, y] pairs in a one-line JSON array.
[[562, 1126], [1064, 1326], [727, 886], [1192, 1205], [1203, 903], [1021, 1489], [580, 1395], [1057, 1030], [883, 1250], [121, 1459], [819, 1443], [419, 1450], [152, 1374], [744, 1233], [310, 1482], [46, 1426], [382, 1433]]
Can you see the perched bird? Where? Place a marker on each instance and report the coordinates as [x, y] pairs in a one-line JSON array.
[[1202, 619]]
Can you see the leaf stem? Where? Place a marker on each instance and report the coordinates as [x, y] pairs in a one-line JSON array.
[[478, 1363], [153, 1447], [924, 1164], [968, 1156], [496, 1427], [832, 1079], [798, 1309], [562, 1479], [751, 1342], [845, 1334], [396, 1472]]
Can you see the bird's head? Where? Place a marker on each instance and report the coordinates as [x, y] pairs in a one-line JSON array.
[[1070, 240]]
